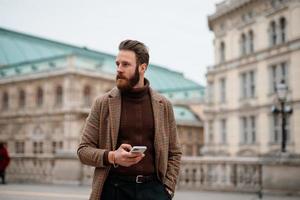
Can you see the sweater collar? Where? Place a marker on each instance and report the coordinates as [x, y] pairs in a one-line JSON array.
[[137, 93]]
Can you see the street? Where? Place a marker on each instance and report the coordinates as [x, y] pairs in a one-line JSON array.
[[67, 192]]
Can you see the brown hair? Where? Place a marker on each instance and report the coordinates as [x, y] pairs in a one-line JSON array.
[[139, 48]]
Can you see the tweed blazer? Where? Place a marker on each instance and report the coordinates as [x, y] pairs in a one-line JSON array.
[[100, 133]]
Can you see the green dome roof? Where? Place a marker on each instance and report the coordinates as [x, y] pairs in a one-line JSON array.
[[17, 49]]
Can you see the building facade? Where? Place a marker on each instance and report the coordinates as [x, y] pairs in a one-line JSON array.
[[256, 45]]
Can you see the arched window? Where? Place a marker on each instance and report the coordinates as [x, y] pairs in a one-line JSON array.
[[39, 96], [243, 44], [22, 98], [272, 33], [222, 52], [251, 41], [5, 101], [87, 95], [59, 95], [282, 23]]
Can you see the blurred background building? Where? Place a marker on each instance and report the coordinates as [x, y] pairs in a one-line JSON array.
[[250, 145], [257, 45]]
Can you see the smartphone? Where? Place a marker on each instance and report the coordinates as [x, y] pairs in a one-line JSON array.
[[138, 149]]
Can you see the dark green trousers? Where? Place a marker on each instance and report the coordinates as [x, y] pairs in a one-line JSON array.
[[115, 189]]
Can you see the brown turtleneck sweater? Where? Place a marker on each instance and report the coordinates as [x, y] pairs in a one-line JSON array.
[[136, 129]]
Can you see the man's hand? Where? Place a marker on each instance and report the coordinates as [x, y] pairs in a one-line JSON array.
[[123, 157]]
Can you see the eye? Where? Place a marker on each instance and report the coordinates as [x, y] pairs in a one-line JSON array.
[[126, 64]]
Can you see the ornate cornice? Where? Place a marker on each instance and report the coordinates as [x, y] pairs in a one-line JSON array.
[[224, 8]]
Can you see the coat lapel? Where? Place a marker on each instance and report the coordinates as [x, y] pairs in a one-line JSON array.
[[158, 113], [114, 101]]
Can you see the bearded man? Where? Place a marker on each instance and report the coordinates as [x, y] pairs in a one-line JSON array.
[[131, 114]]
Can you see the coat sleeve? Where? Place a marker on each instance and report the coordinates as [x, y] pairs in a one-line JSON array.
[[88, 150], [175, 153]]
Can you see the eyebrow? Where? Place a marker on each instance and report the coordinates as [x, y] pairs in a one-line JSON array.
[[123, 62]]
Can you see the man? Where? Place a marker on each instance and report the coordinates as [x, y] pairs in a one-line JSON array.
[[132, 114], [4, 161]]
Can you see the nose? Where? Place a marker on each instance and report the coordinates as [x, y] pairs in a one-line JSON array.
[[119, 69]]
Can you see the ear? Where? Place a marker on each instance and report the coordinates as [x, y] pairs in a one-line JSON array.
[[143, 67]]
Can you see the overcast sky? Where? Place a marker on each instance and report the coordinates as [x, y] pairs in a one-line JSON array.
[[175, 31]]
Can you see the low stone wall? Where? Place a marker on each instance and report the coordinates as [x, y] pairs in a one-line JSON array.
[[267, 174]]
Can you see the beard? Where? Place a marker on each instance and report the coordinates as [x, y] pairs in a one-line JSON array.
[[126, 84]]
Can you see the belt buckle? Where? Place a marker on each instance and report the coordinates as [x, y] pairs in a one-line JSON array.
[[137, 178]]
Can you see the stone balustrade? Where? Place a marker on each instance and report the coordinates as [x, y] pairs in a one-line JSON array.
[[272, 174], [221, 174], [33, 169]]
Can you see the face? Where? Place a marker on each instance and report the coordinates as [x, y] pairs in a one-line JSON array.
[[127, 71]]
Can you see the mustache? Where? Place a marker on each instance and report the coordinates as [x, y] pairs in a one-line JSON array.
[[119, 76]]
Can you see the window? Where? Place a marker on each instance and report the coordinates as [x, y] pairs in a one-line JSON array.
[[282, 23], [247, 43], [56, 146], [19, 147], [278, 73], [210, 131], [222, 90], [251, 42], [223, 132], [37, 147], [276, 129], [243, 44], [222, 52], [244, 85], [277, 32], [248, 130], [22, 98], [253, 128], [40, 96], [87, 95], [248, 85], [252, 84], [273, 34], [5, 101], [189, 150], [59, 95]]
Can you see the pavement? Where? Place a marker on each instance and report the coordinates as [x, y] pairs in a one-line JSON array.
[[67, 192]]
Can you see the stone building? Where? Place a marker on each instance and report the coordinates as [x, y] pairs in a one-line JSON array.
[[47, 87], [256, 45]]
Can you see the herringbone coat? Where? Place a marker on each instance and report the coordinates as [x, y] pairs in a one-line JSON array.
[[100, 133]]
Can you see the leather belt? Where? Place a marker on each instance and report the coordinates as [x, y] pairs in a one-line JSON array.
[[134, 179]]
